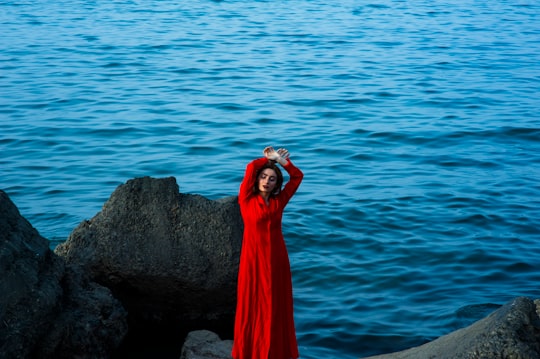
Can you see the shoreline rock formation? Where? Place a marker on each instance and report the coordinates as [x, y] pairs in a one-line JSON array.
[[170, 258], [49, 309], [156, 267]]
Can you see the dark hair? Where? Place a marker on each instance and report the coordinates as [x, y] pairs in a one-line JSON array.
[[279, 180]]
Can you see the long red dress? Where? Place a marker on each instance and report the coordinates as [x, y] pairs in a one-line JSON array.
[[264, 325]]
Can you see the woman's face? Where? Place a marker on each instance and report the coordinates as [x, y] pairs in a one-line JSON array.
[[267, 181]]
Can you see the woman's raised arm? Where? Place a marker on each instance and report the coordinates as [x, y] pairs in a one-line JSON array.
[[246, 187]]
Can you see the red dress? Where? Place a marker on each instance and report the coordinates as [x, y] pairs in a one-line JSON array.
[[264, 325]]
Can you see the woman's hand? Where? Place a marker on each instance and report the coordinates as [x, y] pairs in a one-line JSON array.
[[283, 153], [271, 154], [280, 155]]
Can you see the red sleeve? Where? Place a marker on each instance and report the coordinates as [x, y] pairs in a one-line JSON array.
[[295, 178], [246, 187]]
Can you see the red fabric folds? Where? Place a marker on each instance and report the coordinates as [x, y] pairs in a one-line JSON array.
[[264, 325]]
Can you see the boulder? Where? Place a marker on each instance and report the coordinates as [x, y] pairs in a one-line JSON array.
[[511, 332], [171, 258], [203, 344], [48, 309]]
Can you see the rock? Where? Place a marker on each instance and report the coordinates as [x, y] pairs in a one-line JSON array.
[[30, 279], [203, 344], [48, 309], [171, 258], [92, 323], [511, 332]]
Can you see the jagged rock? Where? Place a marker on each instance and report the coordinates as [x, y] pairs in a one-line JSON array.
[[47, 309], [171, 258], [91, 324], [203, 344], [511, 332]]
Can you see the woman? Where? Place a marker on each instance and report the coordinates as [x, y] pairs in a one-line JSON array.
[[264, 325]]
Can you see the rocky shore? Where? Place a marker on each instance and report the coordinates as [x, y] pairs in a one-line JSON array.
[[153, 274]]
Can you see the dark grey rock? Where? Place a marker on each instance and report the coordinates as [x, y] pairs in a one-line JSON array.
[[203, 344], [47, 309], [30, 288], [171, 258], [511, 332]]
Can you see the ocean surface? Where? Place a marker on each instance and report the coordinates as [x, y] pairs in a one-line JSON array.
[[416, 123]]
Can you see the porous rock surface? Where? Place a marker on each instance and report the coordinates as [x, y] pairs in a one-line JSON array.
[[204, 344], [48, 309], [171, 258]]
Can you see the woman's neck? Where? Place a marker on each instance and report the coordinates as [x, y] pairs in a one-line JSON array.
[[265, 196]]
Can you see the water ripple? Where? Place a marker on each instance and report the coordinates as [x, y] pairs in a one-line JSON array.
[[416, 128]]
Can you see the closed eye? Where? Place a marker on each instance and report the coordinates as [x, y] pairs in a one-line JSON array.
[[271, 178]]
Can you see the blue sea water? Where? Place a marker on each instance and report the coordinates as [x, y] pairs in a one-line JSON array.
[[416, 124]]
